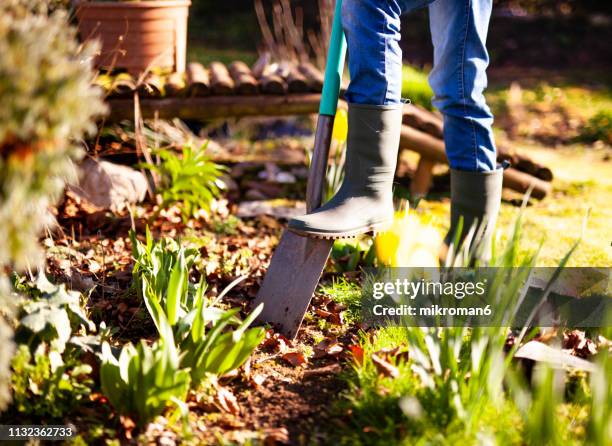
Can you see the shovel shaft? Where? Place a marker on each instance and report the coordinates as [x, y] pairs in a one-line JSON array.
[[327, 111], [318, 163], [334, 66]]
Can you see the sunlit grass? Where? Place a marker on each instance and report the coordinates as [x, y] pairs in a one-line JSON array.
[[416, 87]]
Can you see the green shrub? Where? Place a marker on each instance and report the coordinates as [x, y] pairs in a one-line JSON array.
[[190, 180], [50, 314], [598, 128], [46, 385], [48, 103], [48, 379]]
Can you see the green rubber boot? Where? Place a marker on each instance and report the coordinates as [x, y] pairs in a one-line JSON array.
[[475, 197], [364, 202]]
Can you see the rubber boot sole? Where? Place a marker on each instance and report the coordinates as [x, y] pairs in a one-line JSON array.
[[373, 229]]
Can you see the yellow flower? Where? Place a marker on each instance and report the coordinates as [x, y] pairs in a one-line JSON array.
[[409, 242], [340, 131]]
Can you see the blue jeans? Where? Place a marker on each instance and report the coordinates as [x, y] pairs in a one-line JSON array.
[[458, 78]]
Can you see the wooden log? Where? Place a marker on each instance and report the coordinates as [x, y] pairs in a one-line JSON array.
[[214, 107], [221, 82], [430, 123], [105, 82], [123, 85], [424, 120], [433, 148], [272, 84], [313, 76], [296, 81], [544, 173], [198, 80], [175, 84], [423, 176], [244, 81], [152, 86]]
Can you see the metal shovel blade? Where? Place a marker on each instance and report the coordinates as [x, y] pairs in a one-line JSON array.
[[298, 261], [291, 280]]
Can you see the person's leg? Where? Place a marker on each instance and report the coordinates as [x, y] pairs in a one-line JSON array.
[[372, 29], [365, 199], [458, 79]]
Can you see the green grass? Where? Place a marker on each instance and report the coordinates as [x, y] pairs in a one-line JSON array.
[[459, 384], [582, 186], [415, 86], [346, 293]]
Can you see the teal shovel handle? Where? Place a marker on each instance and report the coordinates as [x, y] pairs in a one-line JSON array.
[[335, 66]]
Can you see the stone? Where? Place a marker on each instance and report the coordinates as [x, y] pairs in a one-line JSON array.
[[110, 186]]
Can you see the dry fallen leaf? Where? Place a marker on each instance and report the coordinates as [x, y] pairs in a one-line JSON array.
[[384, 368], [296, 359], [322, 313], [357, 352], [276, 342], [327, 347], [275, 436], [227, 401], [257, 380]]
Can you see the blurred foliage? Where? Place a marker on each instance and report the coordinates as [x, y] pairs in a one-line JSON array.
[[47, 104], [46, 390], [415, 87], [564, 7], [6, 346], [52, 331], [598, 128]]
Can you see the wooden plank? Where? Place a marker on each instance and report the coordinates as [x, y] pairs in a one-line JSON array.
[[221, 82], [245, 82], [175, 84], [198, 80], [433, 148], [419, 187], [313, 76], [214, 107]]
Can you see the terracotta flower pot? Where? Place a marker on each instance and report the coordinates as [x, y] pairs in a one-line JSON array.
[[137, 35]]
